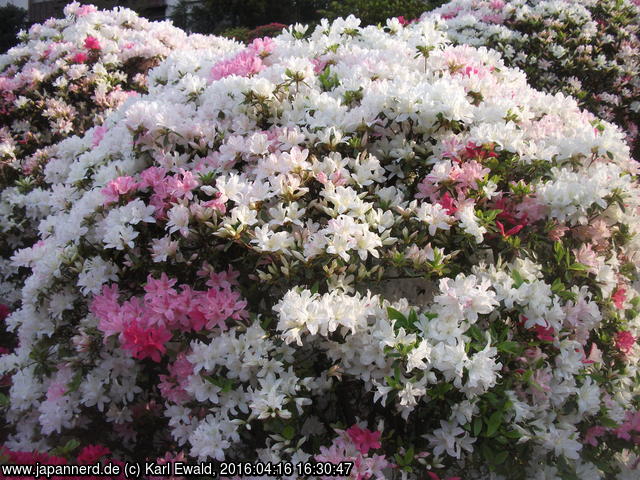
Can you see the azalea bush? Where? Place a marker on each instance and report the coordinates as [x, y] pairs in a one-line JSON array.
[[64, 77], [587, 49], [66, 74], [342, 245]]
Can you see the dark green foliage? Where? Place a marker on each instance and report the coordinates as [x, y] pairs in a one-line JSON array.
[[373, 12], [217, 16], [240, 34]]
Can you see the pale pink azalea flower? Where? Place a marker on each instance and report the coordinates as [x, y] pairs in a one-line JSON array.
[[116, 188], [243, 64], [557, 232], [595, 354], [98, 135], [591, 437], [85, 10], [588, 257]]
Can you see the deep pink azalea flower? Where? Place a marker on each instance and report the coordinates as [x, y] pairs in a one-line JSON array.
[[624, 341], [79, 57], [364, 439], [618, 297], [146, 342], [91, 43], [92, 453]]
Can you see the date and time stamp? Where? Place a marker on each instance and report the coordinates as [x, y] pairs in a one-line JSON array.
[[213, 470], [248, 469]]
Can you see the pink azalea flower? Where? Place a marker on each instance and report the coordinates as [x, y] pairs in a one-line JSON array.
[[531, 209], [56, 390], [591, 437], [595, 355], [107, 309], [452, 13], [318, 65], [146, 342], [618, 297], [243, 64], [511, 231], [85, 10], [172, 386], [98, 135], [533, 354], [215, 306], [91, 43], [117, 187], [92, 453], [447, 202], [546, 334], [587, 256], [216, 204], [262, 46], [630, 425], [624, 341], [4, 311], [182, 185], [364, 439], [494, 18], [152, 176], [79, 57], [557, 232]]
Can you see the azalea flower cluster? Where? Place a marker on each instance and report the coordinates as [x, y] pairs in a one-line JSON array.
[[62, 79], [586, 49], [68, 73], [340, 244]]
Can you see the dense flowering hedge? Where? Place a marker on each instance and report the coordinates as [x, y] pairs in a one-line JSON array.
[[352, 244], [68, 73], [586, 49], [63, 78]]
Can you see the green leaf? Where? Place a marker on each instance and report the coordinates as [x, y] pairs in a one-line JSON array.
[[74, 384], [266, 321], [476, 334], [510, 347], [413, 317], [607, 422], [288, 432], [494, 422], [517, 279], [477, 426], [327, 80], [66, 450], [501, 457], [394, 314], [224, 384], [408, 457], [487, 453], [558, 249], [391, 382], [578, 267], [513, 434]]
